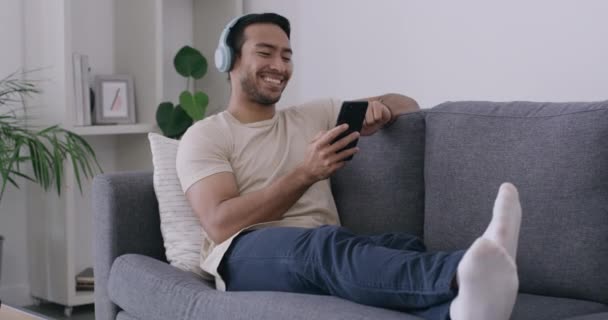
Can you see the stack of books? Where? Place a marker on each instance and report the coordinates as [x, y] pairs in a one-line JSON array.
[[82, 90], [85, 280]]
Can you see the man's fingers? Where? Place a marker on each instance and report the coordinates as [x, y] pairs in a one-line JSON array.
[[340, 156], [377, 111], [386, 113], [338, 145], [332, 134], [337, 166], [317, 136], [374, 113], [369, 117]]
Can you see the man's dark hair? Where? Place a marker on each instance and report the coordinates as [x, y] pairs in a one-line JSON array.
[[236, 37]]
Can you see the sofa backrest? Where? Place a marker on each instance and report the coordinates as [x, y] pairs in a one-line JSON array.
[[382, 188], [556, 154]]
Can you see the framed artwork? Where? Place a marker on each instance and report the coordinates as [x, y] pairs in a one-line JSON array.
[[114, 99]]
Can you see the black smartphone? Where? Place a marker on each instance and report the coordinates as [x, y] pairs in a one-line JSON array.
[[353, 114]]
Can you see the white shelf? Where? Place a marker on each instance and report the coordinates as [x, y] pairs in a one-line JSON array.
[[83, 297], [114, 129], [150, 32]]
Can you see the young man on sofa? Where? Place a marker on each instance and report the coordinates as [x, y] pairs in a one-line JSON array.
[[258, 179]]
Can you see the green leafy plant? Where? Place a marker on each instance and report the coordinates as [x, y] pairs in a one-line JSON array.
[[43, 150], [174, 120]]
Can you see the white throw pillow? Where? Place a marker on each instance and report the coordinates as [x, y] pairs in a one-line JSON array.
[[179, 225]]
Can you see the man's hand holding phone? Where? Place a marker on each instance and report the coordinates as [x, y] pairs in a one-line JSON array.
[[323, 157]]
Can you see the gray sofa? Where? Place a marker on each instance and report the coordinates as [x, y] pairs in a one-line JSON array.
[[433, 173]]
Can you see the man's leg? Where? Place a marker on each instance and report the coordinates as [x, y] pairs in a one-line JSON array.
[[332, 260], [398, 240], [487, 275]]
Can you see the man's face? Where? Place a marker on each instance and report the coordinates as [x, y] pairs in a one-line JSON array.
[[264, 66]]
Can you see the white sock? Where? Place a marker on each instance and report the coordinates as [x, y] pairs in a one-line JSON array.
[[506, 219], [488, 283], [487, 274]]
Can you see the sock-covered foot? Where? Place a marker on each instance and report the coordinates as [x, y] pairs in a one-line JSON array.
[[506, 219], [488, 283]]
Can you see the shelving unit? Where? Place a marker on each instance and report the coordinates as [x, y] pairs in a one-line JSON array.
[[136, 37], [114, 129]]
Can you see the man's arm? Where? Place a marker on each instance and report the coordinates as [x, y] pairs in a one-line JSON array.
[[398, 104], [222, 211], [384, 110]]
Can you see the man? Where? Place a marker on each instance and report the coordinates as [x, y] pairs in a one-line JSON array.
[[258, 179]]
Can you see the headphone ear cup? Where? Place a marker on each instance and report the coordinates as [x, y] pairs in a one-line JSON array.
[[229, 58], [220, 61], [223, 58]]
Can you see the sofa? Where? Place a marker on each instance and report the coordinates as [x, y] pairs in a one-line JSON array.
[[433, 173]]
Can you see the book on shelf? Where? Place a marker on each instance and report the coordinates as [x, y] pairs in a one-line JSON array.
[[82, 97], [85, 280], [86, 94], [85, 287], [77, 115]]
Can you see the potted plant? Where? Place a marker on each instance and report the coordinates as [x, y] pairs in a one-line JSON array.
[[175, 120], [36, 154]]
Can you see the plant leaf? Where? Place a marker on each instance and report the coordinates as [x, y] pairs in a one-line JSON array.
[[163, 116], [189, 62], [180, 122], [196, 105], [46, 150], [173, 121]]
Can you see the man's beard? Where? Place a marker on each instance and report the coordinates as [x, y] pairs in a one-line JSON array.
[[255, 95]]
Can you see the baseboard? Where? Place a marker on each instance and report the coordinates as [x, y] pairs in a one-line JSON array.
[[16, 295]]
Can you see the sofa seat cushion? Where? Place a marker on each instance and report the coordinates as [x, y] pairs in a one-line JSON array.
[[556, 155], [533, 307], [125, 316], [149, 289], [595, 316]]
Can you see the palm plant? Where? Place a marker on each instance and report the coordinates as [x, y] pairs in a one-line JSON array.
[[44, 150]]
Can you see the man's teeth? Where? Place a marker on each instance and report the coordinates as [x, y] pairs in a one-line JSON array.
[[272, 80]]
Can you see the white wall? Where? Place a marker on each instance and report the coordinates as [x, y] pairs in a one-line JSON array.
[[177, 22], [13, 210], [544, 50]]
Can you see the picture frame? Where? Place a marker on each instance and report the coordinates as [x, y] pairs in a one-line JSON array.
[[114, 99]]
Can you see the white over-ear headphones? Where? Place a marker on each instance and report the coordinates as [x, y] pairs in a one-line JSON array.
[[224, 55]]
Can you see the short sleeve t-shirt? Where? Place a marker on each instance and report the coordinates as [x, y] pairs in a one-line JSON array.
[[257, 154]]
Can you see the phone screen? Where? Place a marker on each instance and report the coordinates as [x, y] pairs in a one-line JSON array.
[[352, 113]]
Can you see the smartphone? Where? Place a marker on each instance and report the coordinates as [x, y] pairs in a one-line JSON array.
[[353, 114]]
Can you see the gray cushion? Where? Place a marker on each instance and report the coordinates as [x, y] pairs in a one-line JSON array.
[[125, 316], [126, 220], [533, 307], [153, 290], [557, 156], [595, 316], [382, 188]]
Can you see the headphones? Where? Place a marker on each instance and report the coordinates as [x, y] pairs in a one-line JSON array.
[[224, 55]]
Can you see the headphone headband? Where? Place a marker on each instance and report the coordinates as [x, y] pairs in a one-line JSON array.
[[223, 53], [226, 31]]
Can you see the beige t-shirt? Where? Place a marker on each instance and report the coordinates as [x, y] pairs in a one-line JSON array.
[[257, 154]]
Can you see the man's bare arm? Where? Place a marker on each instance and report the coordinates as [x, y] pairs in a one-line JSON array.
[[222, 211], [384, 110], [397, 104]]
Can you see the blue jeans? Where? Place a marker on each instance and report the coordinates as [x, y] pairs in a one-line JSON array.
[[392, 270]]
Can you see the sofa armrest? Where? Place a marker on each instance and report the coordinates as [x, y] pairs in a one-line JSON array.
[[126, 220]]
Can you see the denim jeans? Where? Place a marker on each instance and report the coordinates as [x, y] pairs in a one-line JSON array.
[[391, 270]]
